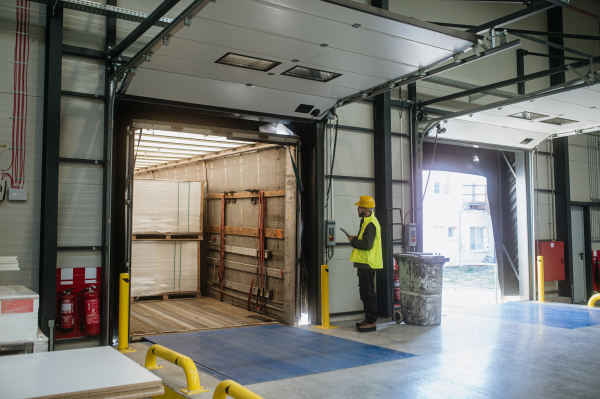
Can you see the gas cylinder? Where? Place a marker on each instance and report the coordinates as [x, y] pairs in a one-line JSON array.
[[89, 311]]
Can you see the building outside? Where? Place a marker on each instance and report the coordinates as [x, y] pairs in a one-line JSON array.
[[457, 220]]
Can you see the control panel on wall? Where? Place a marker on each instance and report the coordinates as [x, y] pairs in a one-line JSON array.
[[330, 232], [410, 237]]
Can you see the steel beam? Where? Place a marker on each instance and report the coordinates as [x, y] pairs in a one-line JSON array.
[[554, 45], [520, 70], [538, 7], [83, 52], [127, 71], [518, 79], [107, 10], [142, 28], [555, 24], [528, 32], [50, 167], [554, 56], [415, 77], [532, 96], [109, 280]]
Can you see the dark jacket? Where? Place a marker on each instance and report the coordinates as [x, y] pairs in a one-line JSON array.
[[366, 243]]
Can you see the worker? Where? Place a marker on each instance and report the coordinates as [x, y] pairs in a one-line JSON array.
[[366, 256]]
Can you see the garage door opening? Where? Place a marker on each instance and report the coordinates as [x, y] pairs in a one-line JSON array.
[[212, 227], [457, 223]]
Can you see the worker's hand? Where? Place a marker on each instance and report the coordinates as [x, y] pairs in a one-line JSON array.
[[351, 237]]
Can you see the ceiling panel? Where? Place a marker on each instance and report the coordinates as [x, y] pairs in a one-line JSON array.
[[175, 87], [381, 49]]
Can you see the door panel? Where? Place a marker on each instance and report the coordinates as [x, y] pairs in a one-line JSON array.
[[579, 292]]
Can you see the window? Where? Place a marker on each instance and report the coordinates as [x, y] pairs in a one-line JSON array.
[[311, 74], [243, 61], [451, 232], [477, 238], [436, 188]]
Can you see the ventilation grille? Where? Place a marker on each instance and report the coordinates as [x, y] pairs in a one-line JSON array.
[[558, 121]]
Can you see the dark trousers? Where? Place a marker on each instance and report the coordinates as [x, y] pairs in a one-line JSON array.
[[366, 285]]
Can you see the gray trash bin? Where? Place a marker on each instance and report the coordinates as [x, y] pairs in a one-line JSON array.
[[421, 277]]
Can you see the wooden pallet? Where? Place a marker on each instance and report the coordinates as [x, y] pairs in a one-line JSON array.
[[166, 296], [194, 236]]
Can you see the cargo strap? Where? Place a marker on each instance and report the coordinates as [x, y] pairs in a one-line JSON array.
[[222, 256], [260, 253]]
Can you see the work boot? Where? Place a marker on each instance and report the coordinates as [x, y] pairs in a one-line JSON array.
[[368, 327], [361, 323]]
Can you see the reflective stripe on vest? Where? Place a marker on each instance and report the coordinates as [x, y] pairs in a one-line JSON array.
[[371, 257]]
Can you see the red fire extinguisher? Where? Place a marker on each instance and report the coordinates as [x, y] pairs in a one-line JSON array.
[[89, 311], [66, 309], [396, 282]]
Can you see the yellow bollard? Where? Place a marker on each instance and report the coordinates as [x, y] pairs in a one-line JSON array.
[[124, 314], [541, 290], [187, 364], [325, 298], [235, 390], [593, 300]]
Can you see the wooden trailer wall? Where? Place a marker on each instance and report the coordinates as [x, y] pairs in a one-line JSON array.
[[269, 170]]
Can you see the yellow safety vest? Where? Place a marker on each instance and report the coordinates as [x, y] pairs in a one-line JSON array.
[[371, 257]]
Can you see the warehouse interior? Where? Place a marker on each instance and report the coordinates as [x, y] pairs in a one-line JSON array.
[[177, 177]]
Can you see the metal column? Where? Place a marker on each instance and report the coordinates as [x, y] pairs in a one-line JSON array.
[[521, 69], [382, 118], [50, 159], [106, 334], [555, 24], [417, 167]]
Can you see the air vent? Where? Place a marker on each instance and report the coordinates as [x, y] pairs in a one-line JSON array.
[[243, 61], [558, 121], [530, 116], [304, 108], [526, 141], [311, 74]]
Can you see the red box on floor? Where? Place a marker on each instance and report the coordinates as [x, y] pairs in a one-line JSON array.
[[554, 259]]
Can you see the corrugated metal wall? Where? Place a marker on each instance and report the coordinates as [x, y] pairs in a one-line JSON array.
[[354, 175], [20, 221]]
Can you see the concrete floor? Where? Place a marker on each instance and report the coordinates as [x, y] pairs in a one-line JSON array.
[[465, 357]]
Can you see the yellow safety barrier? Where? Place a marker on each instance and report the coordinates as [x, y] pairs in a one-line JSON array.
[[235, 390], [188, 366], [325, 298], [593, 300], [541, 289], [123, 346]]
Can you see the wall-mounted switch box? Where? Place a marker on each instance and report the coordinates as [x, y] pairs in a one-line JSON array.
[[330, 232], [17, 194], [2, 189]]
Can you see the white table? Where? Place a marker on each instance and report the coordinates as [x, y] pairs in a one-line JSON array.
[[80, 373]]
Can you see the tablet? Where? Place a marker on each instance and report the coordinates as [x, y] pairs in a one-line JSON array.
[[345, 232]]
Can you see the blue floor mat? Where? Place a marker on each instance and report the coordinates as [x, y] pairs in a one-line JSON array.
[[543, 314], [265, 353]]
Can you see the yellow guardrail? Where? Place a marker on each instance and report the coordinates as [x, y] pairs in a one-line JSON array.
[[541, 288], [123, 345], [235, 390], [593, 300], [325, 298], [188, 366]]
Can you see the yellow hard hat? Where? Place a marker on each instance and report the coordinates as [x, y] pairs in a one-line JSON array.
[[366, 202]]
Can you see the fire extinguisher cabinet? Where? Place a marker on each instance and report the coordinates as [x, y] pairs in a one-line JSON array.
[[421, 278]]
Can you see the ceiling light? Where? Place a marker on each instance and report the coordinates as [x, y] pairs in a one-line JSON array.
[[304, 108], [531, 116], [356, 25], [244, 61], [526, 141], [311, 74], [558, 121]]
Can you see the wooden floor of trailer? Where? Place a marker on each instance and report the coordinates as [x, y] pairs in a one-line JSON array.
[[185, 315]]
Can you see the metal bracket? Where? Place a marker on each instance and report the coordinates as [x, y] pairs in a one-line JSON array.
[[253, 200], [587, 79], [148, 57], [187, 22], [230, 200], [167, 40]]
